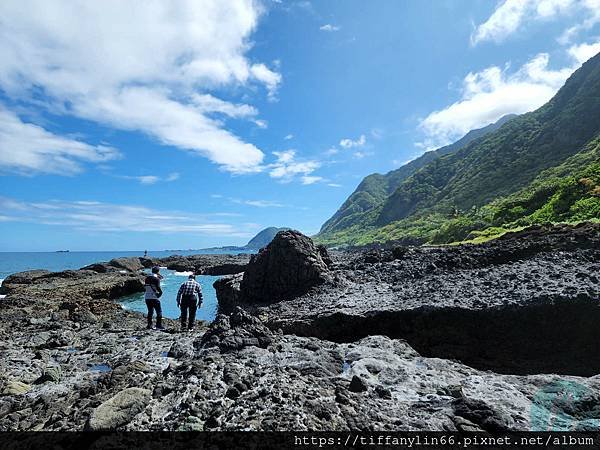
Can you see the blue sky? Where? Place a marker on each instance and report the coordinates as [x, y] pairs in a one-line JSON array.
[[186, 124]]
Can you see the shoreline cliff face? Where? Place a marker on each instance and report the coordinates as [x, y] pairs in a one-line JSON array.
[[454, 338]]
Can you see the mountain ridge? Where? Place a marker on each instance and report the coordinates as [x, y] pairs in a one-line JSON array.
[[469, 189], [375, 188]]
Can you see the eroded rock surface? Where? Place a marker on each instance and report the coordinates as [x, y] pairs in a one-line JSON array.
[[203, 264], [71, 363], [525, 303]]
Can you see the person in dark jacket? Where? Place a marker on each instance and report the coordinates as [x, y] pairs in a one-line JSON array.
[[152, 296], [189, 298]]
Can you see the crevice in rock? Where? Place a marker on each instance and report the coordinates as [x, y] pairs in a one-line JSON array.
[[550, 336]]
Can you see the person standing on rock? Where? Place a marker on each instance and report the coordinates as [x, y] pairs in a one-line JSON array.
[[152, 296], [189, 298]]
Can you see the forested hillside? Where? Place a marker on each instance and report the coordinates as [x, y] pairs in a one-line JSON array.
[[538, 167]]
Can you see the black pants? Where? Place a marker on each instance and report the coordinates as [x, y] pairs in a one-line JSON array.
[[188, 307], [153, 304]]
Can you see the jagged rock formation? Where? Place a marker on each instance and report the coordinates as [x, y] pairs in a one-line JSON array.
[[131, 264], [203, 264], [70, 289], [290, 265], [69, 370], [525, 303]]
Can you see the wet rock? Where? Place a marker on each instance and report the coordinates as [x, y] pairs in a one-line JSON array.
[[119, 410]]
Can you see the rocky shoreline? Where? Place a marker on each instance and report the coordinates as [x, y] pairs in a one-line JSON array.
[[489, 337]]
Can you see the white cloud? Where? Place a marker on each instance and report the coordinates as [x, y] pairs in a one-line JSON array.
[[152, 179], [494, 92], [329, 27], [146, 67], [263, 203], [309, 179], [108, 217], [287, 167], [288, 137], [510, 15], [335, 185], [361, 155], [261, 123], [172, 177], [270, 78], [28, 148], [582, 52], [349, 143], [147, 179]]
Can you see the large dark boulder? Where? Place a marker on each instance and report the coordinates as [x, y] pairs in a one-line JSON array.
[[289, 266], [228, 292]]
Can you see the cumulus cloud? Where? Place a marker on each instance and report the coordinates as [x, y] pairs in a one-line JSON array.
[[510, 15], [147, 67], [28, 148], [349, 143], [494, 92], [109, 217], [329, 27], [287, 167]]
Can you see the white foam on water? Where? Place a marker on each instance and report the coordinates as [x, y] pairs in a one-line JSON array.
[[183, 274], [2, 296]]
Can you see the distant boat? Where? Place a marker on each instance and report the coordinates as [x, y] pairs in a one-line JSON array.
[[62, 251]]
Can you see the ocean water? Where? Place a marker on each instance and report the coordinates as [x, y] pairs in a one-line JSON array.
[[170, 286], [12, 262]]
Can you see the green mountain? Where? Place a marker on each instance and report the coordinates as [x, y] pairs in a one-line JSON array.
[[540, 166], [263, 238], [374, 190]]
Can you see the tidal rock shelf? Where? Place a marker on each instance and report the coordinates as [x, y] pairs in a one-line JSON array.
[[524, 304], [411, 339]]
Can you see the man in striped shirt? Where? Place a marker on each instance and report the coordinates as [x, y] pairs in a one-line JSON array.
[[189, 298]]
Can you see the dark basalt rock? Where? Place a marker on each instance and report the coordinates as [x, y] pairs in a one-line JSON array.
[[229, 293], [225, 269], [526, 303], [130, 264], [394, 344], [203, 264], [235, 332], [289, 266]]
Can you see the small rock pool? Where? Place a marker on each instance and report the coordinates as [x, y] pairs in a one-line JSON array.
[[170, 285]]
